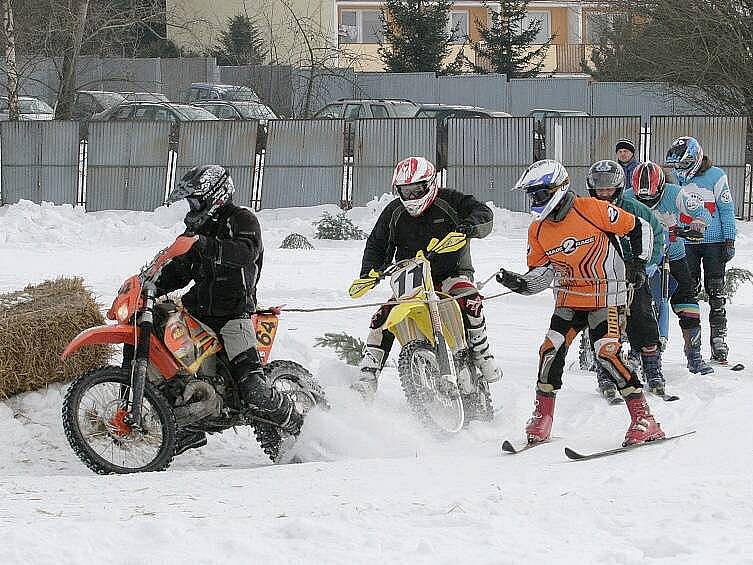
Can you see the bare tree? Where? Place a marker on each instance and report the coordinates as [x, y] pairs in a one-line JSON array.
[[9, 40], [702, 49]]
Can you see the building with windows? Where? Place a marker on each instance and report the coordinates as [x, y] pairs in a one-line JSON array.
[[574, 24]]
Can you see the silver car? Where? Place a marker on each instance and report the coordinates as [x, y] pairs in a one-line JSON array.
[[30, 108]]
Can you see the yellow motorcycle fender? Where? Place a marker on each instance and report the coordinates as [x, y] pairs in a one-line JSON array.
[[418, 312]]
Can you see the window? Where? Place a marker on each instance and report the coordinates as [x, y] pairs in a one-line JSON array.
[[545, 31], [360, 26], [163, 115], [227, 113], [143, 113], [597, 23], [352, 111], [330, 111], [371, 26], [379, 111], [123, 113], [458, 27], [348, 31]]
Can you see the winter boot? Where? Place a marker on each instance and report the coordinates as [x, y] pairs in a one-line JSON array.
[[651, 360], [719, 349], [539, 427], [607, 388], [643, 427], [696, 364], [482, 355]]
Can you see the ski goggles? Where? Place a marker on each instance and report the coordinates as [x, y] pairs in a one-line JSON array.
[[412, 191]]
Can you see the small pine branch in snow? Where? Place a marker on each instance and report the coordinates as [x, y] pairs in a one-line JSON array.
[[296, 241], [734, 278], [348, 348], [337, 227]]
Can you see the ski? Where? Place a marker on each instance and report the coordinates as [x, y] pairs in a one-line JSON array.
[[665, 397], [508, 447], [575, 456], [726, 364]]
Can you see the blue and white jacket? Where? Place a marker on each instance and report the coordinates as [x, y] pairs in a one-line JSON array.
[[710, 189], [676, 208]]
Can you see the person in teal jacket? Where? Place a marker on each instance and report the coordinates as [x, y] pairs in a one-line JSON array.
[[606, 181], [708, 187], [677, 211]]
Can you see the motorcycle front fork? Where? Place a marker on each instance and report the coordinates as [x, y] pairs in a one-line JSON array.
[[140, 363], [444, 355]]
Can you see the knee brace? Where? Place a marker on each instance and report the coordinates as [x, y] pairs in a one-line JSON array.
[[608, 354]]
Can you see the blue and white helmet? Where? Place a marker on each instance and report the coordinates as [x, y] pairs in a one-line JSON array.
[[685, 156], [545, 182]]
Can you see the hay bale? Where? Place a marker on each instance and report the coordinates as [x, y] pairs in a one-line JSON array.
[[36, 324]]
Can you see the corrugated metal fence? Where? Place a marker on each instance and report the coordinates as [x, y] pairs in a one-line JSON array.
[[486, 157], [132, 165], [379, 144]]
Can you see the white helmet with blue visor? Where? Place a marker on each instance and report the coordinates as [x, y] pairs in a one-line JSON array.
[[545, 182]]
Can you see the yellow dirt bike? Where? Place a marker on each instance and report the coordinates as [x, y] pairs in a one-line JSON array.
[[441, 383]]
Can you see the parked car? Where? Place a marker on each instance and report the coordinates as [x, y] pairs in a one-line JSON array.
[[232, 110], [540, 113], [443, 112], [89, 102], [153, 111], [203, 91], [539, 133], [29, 108], [351, 109]]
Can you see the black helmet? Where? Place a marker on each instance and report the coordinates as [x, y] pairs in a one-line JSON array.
[[206, 188], [606, 174]]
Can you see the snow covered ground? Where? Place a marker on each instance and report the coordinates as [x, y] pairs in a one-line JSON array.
[[377, 488]]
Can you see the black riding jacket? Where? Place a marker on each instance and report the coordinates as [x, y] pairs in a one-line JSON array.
[[397, 235], [225, 269]]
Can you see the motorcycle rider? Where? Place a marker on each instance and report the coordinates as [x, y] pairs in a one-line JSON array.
[[225, 264], [574, 238], [676, 208], [420, 212], [708, 187], [606, 181]]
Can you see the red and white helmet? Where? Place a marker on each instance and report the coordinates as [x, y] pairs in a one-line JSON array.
[[415, 182], [648, 183]]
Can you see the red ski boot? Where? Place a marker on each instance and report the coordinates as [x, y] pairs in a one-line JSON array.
[[643, 427], [539, 427]]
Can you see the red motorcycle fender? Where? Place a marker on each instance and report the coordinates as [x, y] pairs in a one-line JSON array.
[[158, 354]]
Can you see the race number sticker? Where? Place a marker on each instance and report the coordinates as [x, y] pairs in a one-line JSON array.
[[266, 330], [408, 281]]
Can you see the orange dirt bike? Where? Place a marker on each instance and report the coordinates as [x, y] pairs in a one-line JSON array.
[[175, 376]]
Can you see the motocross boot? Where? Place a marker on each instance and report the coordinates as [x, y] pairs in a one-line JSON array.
[[643, 427], [539, 427], [371, 365], [607, 388], [482, 354], [264, 402], [696, 364], [189, 440], [652, 372], [719, 348]]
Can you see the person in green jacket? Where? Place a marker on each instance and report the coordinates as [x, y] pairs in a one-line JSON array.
[[606, 181]]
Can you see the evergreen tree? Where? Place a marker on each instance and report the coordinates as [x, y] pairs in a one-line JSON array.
[[241, 43], [506, 46], [416, 38]]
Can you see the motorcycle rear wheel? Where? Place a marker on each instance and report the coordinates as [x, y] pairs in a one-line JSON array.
[[93, 412], [419, 375], [300, 385]]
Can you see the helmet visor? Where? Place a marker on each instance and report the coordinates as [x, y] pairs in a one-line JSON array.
[[412, 191], [679, 158], [604, 179], [540, 195]]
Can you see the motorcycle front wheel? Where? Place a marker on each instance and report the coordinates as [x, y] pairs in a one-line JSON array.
[[440, 412], [94, 412]]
